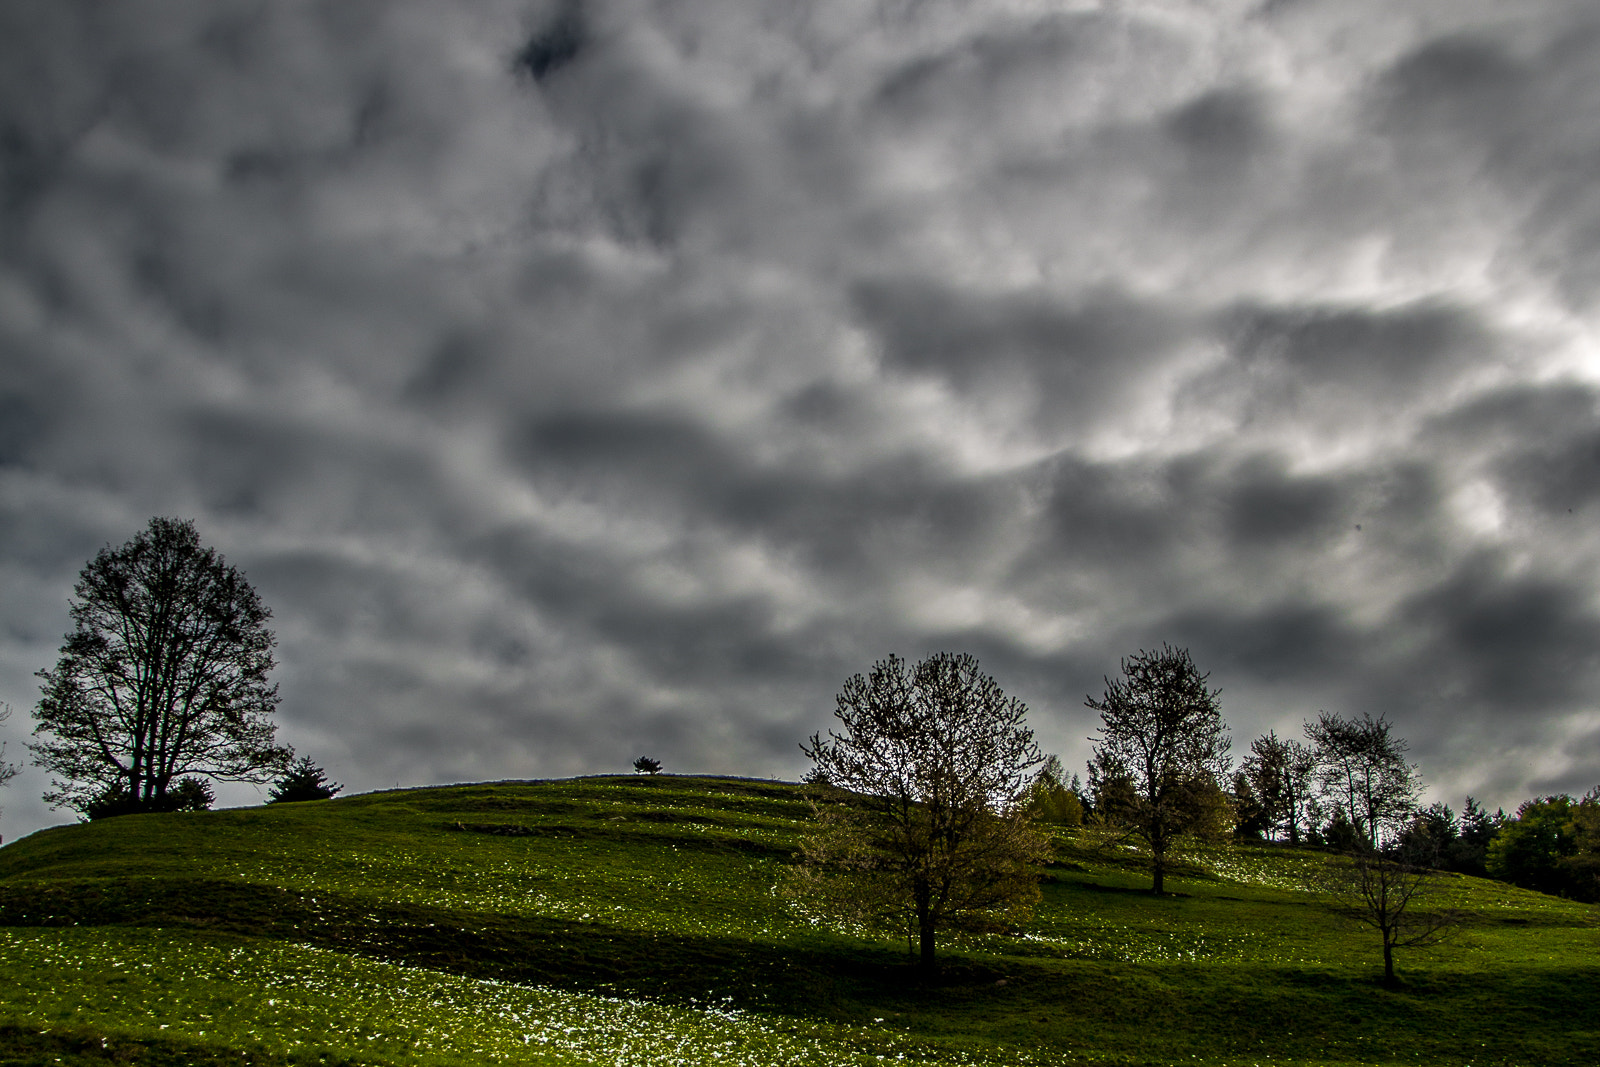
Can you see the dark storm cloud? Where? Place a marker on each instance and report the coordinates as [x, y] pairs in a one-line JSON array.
[[1071, 360], [1222, 131], [581, 379], [1142, 517], [1390, 353], [1520, 644], [1521, 106], [555, 44], [840, 532]]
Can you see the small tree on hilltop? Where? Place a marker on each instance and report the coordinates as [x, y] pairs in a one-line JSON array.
[[1161, 749], [303, 780], [646, 765], [164, 675], [920, 820]]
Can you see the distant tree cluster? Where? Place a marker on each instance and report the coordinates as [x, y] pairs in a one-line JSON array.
[[1348, 786], [1552, 844]]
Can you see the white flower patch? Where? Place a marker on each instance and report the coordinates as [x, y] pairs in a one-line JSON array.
[[288, 996]]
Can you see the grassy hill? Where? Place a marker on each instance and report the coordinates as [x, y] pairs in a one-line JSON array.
[[635, 921]]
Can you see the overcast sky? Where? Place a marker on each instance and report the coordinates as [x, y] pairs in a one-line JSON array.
[[582, 380]]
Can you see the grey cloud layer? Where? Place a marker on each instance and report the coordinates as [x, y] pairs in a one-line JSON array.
[[591, 377]]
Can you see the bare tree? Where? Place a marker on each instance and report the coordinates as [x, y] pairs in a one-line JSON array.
[[1362, 768], [1393, 897], [1161, 749], [164, 675], [918, 800], [8, 771]]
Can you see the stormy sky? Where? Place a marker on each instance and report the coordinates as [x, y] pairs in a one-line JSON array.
[[582, 379]]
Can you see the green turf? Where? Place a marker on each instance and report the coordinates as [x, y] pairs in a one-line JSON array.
[[638, 921]]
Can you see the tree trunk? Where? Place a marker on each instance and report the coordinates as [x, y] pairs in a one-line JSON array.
[[1159, 868], [925, 925], [1388, 963]]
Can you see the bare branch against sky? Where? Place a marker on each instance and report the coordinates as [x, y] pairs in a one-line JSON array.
[[580, 378]]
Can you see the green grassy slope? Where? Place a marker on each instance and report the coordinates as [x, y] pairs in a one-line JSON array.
[[635, 921]]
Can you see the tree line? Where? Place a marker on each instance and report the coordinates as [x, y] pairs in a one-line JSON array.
[[929, 802], [931, 799]]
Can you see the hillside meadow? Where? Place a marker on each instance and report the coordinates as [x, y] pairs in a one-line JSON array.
[[639, 921]]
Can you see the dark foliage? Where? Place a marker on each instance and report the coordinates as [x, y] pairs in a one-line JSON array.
[[303, 780], [646, 765], [1052, 798], [188, 794], [1274, 782], [1478, 827], [1553, 846], [1340, 834], [8, 771]]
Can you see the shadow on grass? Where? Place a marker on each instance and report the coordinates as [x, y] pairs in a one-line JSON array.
[[25, 1046], [530, 950], [1158, 1012]]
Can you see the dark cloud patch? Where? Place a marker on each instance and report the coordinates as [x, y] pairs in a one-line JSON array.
[[20, 425], [695, 643], [556, 44], [1561, 479], [977, 70], [449, 373], [1220, 133], [1267, 507], [1519, 107], [1125, 513], [1108, 513], [1069, 359], [1504, 642], [845, 527], [610, 453], [1537, 442], [1291, 642], [35, 400], [1468, 81], [1521, 413], [1391, 354], [27, 166]]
